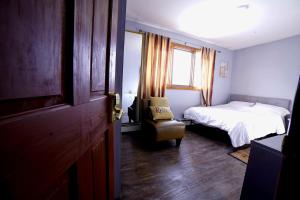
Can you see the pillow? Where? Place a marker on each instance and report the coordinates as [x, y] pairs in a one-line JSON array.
[[159, 101], [252, 104], [161, 112], [274, 109]]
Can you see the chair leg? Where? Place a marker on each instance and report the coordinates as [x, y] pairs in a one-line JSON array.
[[178, 141]]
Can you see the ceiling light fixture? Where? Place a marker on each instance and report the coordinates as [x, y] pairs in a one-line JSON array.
[[219, 18], [244, 6]]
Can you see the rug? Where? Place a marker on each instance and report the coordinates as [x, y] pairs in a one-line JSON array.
[[241, 154]]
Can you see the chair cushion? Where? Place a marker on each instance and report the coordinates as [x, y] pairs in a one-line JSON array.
[[159, 101], [165, 123], [167, 129], [159, 112]]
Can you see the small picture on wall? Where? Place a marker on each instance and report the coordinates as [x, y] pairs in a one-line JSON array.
[[223, 71]]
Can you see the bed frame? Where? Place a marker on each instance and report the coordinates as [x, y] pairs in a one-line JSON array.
[[285, 103]]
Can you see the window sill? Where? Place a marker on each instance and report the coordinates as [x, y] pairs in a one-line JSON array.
[[182, 87]]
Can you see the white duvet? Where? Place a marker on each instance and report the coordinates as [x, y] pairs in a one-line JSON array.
[[242, 120]]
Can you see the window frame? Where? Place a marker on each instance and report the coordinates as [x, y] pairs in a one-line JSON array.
[[192, 50]]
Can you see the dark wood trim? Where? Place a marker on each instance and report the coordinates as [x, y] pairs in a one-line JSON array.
[[9, 108]]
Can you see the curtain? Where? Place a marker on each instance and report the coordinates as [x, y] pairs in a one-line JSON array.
[[207, 74], [155, 64]]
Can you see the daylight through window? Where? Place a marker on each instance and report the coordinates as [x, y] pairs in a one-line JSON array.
[[185, 68]]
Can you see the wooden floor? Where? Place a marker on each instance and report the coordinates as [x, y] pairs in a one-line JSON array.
[[199, 169]]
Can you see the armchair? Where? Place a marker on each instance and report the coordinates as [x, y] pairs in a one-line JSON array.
[[162, 129]]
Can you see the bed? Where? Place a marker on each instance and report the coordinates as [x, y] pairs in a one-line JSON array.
[[245, 118]]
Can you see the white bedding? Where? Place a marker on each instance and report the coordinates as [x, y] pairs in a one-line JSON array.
[[242, 120]]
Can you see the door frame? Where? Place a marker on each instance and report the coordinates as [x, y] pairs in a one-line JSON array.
[[118, 89]]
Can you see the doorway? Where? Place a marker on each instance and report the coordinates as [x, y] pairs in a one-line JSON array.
[[131, 75]]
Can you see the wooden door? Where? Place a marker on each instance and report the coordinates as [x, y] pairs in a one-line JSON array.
[[57, 63]]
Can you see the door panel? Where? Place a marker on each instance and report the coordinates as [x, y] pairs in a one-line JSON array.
[[32, 32], [62, 189], [39, 148], [84, 168], [56, 142], [83, 22], [100, 176], [99, 45]]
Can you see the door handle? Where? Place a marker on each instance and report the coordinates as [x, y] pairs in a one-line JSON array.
[[115, 107], [118, 112]]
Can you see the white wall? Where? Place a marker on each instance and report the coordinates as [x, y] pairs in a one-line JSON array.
[[270, 70], [182, 99], [222, 86], [131, 66]]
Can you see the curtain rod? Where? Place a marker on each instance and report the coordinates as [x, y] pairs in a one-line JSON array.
[[185, 43]]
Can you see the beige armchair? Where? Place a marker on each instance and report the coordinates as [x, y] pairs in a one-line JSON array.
[[163, 129]]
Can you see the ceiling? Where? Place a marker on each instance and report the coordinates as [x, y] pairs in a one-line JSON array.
[[233, 24]]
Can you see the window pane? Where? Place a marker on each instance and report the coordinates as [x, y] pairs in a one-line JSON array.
[[182, 61]]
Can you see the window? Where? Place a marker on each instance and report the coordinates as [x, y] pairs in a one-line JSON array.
[[181, 67], [185, 68]]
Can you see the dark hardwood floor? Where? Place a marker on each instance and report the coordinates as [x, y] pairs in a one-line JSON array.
[[199, 169]]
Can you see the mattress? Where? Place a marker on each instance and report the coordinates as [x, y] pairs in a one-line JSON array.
[[243, 121]]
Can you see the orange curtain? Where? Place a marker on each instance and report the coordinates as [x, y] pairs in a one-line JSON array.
[[155, 64], [207, 74]]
